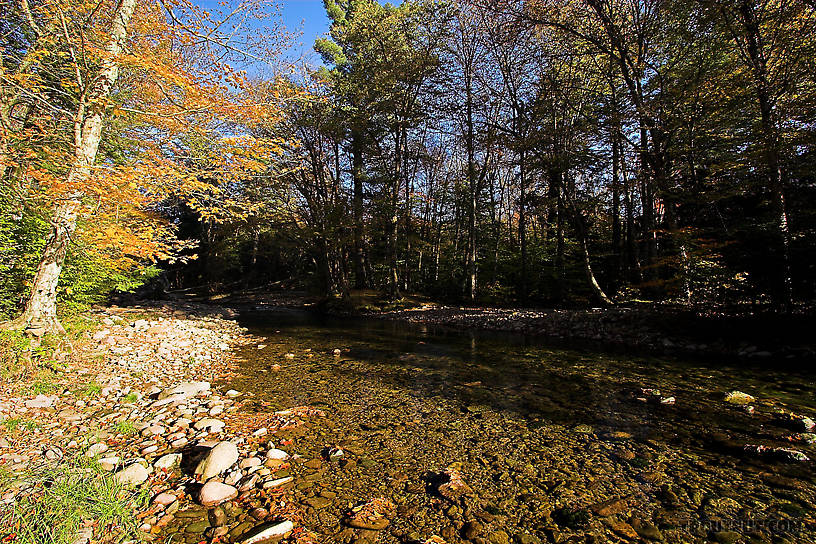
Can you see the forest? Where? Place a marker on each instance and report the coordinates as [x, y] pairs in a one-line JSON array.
[[420, 272], [539, 152]]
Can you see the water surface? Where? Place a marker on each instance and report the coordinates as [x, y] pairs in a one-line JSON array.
[[543, 435]]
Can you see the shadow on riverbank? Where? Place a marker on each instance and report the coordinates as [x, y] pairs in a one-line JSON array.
[[745, 334]]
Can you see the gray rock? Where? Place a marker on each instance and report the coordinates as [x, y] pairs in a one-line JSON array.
[[132, 475], [214, 493], [96, 449], [277, 454], [209, 424], [168, 462], [109, 463], [40, 401], [221, 457], [185, 390]]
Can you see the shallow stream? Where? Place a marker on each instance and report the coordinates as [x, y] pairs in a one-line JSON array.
[[557, 445]]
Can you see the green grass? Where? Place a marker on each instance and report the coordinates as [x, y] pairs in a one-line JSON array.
[[89, 390], [125, 427], [59, 500], [42, 387], [14, 354], [130, 398], [13, 423]]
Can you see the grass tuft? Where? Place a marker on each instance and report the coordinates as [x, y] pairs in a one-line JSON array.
[[89, 390], [13, 423], [126, 427], [55, 502]]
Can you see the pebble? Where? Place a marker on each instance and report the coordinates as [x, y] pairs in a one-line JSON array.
[[165, 499], [109, 463], [168, 462], [41, 401], [209, 424], [250, 462], [277, 454], [271, 484], [96, 449]]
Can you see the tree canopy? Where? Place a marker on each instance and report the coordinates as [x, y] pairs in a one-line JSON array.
[[537, 152]]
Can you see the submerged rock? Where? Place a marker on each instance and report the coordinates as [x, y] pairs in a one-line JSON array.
[[778, 454], [739, 398], [451, 485], [371, 515]]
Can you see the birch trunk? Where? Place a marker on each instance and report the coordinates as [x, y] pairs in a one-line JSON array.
[[40, 312]]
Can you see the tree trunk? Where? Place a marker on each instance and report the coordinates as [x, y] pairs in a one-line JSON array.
[[360, 279], [617, 252], [393, 273], [593, 283], [471, 173], [40, 311], [522, 226], [770, 140], [581, 231], [556, 191]]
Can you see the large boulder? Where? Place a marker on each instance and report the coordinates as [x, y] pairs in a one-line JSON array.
[[221, 457]]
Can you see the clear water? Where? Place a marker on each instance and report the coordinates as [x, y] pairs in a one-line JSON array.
[[538, 431]]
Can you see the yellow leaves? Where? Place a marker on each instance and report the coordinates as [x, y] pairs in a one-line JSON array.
[[178, 124]]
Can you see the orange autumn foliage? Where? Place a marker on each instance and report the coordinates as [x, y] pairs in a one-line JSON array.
[[176, 122]]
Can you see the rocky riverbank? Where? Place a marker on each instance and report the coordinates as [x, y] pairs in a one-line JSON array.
[[735, 334], [136, 397], [313, 434], [643, 328]]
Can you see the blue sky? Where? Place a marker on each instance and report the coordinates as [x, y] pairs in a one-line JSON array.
[[308, 16]]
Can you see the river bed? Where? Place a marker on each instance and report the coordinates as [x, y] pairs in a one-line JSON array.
[[555, 445]]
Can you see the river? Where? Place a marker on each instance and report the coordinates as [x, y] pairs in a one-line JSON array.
[[555, 444]]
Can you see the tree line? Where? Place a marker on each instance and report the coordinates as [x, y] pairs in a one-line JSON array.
[[539, 151], [550, 151]]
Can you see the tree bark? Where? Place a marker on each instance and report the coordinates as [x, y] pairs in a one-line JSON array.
[[617, 245], [472, 186], [393, 227], [522, 226], [360, 279], [40, 312], [770, 141]]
